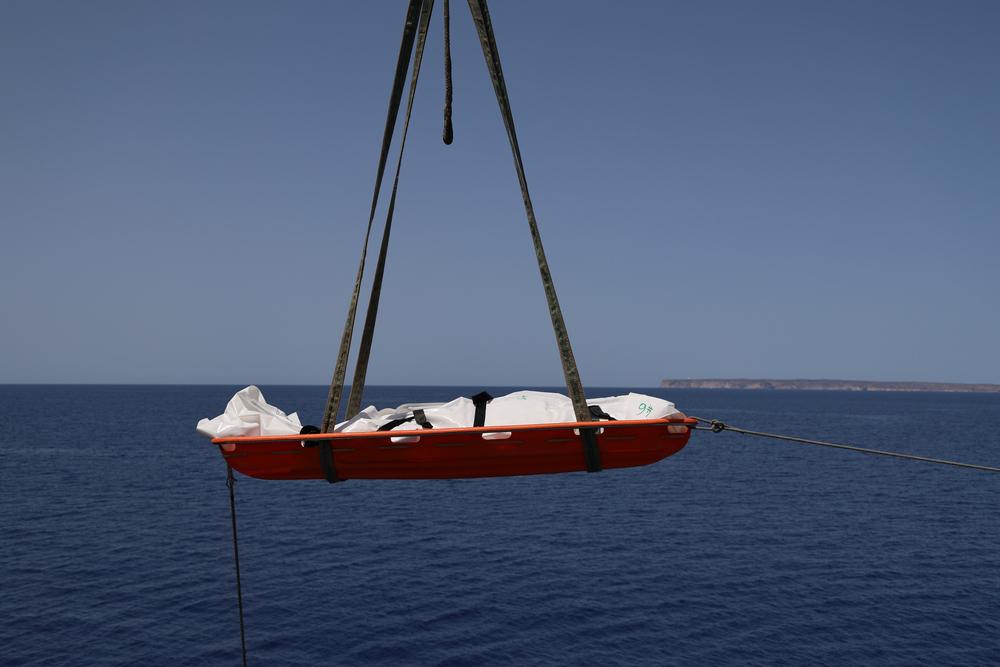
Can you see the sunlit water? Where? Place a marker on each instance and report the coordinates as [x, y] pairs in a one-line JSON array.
[[115, 543]]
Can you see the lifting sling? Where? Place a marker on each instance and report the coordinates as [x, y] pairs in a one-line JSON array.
[[413, 41]]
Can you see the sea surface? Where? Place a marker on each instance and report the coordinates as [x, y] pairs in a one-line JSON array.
[[115, 542]]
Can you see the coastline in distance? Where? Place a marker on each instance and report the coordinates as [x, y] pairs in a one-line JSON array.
[[828, 385]]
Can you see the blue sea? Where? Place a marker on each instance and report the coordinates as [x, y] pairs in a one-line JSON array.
[[115, 542]]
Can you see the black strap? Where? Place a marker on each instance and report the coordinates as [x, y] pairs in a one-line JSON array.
[[326, 460], [417, 416], [598, 413], [402, 65], [591, 450], [325, 453], [448, 134], [364, 350], [480, 400], [484, 26], [389, 425], [421, 418]]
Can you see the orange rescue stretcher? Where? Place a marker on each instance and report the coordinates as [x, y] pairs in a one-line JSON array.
[[484, 451]]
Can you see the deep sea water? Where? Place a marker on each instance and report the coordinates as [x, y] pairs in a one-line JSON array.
[[115, 542]]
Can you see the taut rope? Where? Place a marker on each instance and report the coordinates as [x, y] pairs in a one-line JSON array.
[[716, 426]]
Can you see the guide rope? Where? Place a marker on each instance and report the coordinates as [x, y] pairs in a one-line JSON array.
[[231, 483], [716, 426]]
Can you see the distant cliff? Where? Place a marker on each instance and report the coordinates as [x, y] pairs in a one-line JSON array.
[[829, 385]]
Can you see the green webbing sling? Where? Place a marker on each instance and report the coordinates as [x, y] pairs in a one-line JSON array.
[[481, 17], [364, 351], [402, 65]]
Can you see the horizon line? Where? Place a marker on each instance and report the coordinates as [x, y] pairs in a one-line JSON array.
[[438, 384]]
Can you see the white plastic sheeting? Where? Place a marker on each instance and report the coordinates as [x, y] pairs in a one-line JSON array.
[[249, 414]]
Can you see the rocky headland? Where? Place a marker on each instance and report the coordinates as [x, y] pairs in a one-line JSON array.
[[828, 385]]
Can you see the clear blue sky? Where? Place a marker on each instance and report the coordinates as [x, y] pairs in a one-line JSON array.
[[777, 189]]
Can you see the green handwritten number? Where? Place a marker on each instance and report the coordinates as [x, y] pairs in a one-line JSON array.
[[645, 409]]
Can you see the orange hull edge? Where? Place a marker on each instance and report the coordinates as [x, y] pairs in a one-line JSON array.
[[523, 449]]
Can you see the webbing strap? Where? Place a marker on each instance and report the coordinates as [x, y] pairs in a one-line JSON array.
[[364, 350], [325, 453], [480, 400], [481, 17], [448, 134], [389, 425], [326, 460], [597, 412], [591, 450], [421, 418], [418, 416], [402, 65]]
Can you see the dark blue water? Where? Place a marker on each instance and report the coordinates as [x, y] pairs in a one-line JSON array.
[[115, 543]]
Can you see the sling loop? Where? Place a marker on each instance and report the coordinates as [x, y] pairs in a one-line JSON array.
[[231, 483], [448, 135], [481, 17], [411, 33], [364, 351], [402, 65]]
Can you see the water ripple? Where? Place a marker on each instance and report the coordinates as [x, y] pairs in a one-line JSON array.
[[114, 544]]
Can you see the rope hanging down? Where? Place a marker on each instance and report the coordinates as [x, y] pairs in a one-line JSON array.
[[448, 134], [231, 483], [716, 426]]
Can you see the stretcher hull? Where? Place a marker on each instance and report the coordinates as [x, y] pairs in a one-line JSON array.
[[493, 451]]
